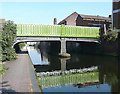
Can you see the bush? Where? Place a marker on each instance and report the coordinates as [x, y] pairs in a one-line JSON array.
[[7, 40], [21, 45], [111, 35], [2, 69]]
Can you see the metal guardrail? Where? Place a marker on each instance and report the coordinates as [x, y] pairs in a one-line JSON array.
[[56, 31]]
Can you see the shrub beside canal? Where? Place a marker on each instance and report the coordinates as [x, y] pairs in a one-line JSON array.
[[8, 37], [109, 42], [2, 69]]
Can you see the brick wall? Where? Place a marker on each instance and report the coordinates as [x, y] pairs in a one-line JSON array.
[[81, 22], [72, 20], [116, 14], [2, 21], [116, 20]]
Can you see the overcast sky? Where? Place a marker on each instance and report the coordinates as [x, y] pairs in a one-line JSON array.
[[44, 12]]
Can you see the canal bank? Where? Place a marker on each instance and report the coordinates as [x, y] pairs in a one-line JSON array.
[[20, 76]]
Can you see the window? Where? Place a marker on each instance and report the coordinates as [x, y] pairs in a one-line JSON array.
[[94, 25]]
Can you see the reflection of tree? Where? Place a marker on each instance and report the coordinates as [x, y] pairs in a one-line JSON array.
[[109, 73], [112, 80]]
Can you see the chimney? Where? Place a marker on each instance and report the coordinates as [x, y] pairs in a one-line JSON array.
[[55, 21]]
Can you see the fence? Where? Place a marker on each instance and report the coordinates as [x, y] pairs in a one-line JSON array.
[[56, 31]]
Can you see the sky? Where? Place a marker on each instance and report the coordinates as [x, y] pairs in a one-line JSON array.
[[36, 12]]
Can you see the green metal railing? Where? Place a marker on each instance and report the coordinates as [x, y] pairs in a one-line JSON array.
[[52, 81], [56, 31]]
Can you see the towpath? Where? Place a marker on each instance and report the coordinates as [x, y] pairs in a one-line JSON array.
[[20, 76]]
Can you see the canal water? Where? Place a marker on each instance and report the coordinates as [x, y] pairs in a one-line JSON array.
[[80, 73]]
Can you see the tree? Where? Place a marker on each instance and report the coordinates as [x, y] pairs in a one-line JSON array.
[[8, 37]]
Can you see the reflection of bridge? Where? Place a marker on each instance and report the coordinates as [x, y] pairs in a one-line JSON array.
[[71, 71], [34, 32], [61, 80]]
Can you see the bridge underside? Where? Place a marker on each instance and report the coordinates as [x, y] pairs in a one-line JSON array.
[[37, 39], [62, 40]]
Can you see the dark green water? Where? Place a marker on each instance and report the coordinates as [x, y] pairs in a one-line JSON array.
[[105, 79]]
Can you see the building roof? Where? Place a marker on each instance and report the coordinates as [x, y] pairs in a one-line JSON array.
[[96, 17], [2, 20], [88, 17]]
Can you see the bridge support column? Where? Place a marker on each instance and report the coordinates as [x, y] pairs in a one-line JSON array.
[[63, 64], [63, 46], [63, 49]]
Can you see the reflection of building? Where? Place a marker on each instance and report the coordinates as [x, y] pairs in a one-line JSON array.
[[116, 14], [76, 19], [82, 85]]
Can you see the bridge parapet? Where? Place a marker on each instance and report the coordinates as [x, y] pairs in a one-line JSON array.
[[57, 31]]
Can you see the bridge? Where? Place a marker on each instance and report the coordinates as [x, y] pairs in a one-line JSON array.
[[62, 33]]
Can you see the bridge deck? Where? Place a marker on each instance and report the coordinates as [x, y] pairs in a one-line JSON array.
[[57, 31]]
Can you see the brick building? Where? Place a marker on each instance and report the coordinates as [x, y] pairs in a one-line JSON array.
[[2, 21], [76, 19], [116, 14]]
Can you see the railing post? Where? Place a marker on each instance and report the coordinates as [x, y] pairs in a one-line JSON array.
[[105, 29]]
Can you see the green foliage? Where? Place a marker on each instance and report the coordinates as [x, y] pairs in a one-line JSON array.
[[21, 45], [0, 46], [111, 35], [2, 69], [8, 37]]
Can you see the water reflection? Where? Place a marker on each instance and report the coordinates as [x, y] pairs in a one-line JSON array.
[[90, 78], [39, 59], [105, 79], [63, 63]]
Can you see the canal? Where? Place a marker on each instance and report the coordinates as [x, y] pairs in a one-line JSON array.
[[79, 73]]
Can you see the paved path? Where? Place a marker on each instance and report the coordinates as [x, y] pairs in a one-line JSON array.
[[20, 76]]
